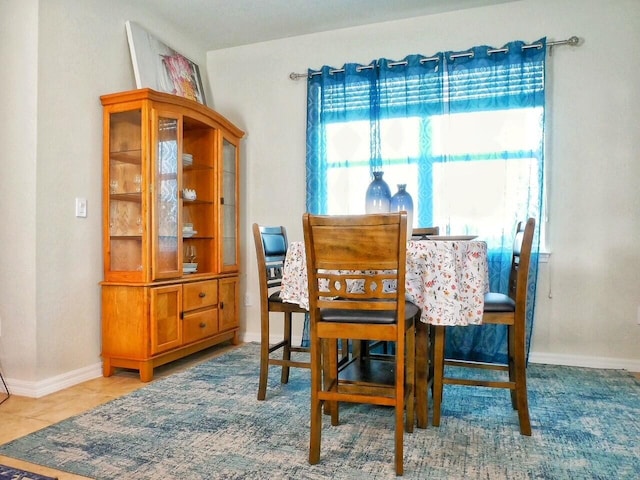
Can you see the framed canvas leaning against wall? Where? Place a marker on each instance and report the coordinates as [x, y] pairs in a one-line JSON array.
[[157, 66]]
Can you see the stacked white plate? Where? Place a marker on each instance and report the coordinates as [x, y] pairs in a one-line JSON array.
[[187, 159], [188, 232], [189, 267]]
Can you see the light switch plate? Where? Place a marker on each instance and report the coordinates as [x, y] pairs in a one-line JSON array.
[[81, 207]]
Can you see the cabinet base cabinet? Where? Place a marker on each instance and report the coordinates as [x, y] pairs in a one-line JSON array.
[[145, 367], [144, 327]]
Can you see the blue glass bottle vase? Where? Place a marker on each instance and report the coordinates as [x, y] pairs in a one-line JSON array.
[[378, 197], [402, 201]]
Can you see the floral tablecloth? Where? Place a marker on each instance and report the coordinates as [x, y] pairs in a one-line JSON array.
[[446, 279]]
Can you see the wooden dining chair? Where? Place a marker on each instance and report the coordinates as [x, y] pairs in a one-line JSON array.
[[504, 309], [422, 233], [271, 250], [356, 272]]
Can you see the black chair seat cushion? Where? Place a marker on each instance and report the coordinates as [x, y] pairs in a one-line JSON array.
[[367, 316], [275, 297], [498, 302]]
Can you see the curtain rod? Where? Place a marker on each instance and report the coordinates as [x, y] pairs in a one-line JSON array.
[[573, 41]]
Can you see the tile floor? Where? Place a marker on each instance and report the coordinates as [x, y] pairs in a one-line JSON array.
[[20, 416]]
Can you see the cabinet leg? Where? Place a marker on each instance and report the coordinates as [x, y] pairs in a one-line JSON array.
[[146, 372], [107, 368], [236, 338]]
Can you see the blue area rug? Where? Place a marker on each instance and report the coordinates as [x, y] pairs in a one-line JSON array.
[[205, 423], [10, 473]]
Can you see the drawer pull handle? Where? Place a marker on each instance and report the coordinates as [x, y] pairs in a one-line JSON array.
[[202, 324], [202, 294], [221, 305]]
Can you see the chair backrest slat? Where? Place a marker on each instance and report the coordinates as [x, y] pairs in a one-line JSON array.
[[271, 250], [520, 260]]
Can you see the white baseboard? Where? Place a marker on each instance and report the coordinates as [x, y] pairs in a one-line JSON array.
[[629, 364], [60, 382], [54, 384]]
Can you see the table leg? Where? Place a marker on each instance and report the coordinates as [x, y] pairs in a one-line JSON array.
[[438, 371], [422, 377]]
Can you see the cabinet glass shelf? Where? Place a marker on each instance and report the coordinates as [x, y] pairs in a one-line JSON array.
[[127, 197], [197, 201], [133, 157]]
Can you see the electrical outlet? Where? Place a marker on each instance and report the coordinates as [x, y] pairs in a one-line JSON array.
[[638, 317], [247, 300]]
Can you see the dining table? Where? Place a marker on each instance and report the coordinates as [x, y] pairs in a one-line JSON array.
[[446, 277]]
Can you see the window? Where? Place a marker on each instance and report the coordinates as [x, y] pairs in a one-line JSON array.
[[480, 165]]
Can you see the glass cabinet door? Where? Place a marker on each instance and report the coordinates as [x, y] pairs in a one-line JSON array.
[[124, 205], [229, 206], [166, 217]]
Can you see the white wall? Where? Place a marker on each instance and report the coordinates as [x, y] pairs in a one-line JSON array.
[[18, 137], [589, 291], [59, 56]]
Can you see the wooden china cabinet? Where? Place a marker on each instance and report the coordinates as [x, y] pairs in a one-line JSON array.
[[170, 201]]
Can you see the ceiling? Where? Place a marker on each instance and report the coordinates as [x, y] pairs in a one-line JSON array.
[[217, 24]]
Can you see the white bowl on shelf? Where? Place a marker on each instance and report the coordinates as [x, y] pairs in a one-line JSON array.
[[187, 230], [189, 194]]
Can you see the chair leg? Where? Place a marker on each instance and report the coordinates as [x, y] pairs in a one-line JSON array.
[[325, 379], [316, 404], [520, 369], [344, 351], [422, 374], [511, 363], [264, 355], [286, 350], [410, 375], [400, 360], [438, 371], [399, 457], [331, 382]]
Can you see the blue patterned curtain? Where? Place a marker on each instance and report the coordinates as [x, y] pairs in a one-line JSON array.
[[438, 123]]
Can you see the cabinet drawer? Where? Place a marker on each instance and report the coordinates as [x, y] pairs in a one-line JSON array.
[[200, 325], [199, 295]]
